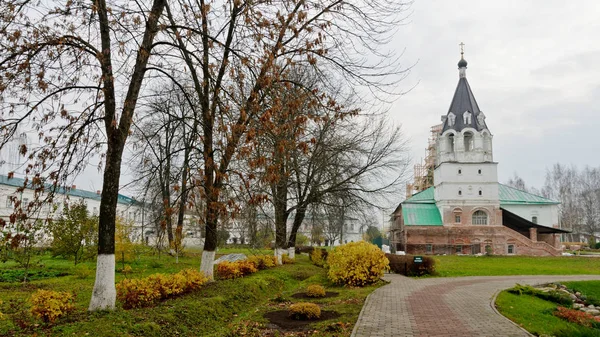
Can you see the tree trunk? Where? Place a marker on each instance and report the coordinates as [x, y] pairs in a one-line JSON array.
[[210, 240], [298, 219], [279, 189], [104, 293]]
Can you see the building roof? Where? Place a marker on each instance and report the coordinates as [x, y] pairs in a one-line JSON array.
[[425, 197], [512, 196], [520, 224], [18, 182], [508, 196], [463, 101], [421, 215]]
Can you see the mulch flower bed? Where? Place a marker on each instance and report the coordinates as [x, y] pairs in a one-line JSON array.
[[328, 294], [282, 320]]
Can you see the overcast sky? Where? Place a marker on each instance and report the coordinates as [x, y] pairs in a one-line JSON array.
[[533, 66]]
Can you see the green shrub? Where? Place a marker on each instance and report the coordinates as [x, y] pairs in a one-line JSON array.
[[404, 264], [552, 296], [356, 264], [304, 310], [315, 290], [82, 271]]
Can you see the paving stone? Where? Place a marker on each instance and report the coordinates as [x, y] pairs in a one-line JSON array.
[[456, 306]]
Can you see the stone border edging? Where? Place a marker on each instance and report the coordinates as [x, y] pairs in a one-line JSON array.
[[493, 305], [361, 313]]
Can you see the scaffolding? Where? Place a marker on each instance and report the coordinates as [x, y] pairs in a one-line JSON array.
[[423, 172]]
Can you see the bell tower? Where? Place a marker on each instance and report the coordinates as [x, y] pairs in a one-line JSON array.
[[465, 175]]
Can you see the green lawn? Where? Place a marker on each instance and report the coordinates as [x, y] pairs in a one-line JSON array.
[[215, 310], [535, 315], [589, 288], [452, 265]]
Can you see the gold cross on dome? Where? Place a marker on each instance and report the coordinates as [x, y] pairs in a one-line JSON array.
[[462, 48]]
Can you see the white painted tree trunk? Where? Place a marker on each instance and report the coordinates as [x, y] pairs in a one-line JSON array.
[[292, 252], [206, 266], [278, 253], [104, 294]]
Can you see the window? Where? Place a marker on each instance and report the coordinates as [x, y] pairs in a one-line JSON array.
[[429, 248], [480, 192], [459, 192], [450, 143], [488, 249], [457, 218], [95, 211], [25, 201], [468, 141], [480, 218], [479, 171], [459, 171], [9, 203], [459, 249], [534, 219], [511, 249]]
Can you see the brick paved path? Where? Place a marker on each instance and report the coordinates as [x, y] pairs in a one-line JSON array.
[[457, 306]]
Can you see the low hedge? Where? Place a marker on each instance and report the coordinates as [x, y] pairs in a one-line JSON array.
[[404, 264]]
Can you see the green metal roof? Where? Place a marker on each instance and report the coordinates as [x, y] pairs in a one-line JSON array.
[[18, 182], [512, 196], [508, 196], [423, 197], [421, 215]]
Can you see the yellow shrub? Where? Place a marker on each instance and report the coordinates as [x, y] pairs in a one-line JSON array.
[[50, 305], [137, 293], [229, 270], [285, 259], [246, 267], [193, 279], [304, 310], [263, 261], [356, 264], [318, 257], [171, 285], [315, 290]]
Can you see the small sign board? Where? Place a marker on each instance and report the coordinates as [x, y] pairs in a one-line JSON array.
[[417, 259]]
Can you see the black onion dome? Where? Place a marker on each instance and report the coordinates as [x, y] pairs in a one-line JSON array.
[[462, 63]]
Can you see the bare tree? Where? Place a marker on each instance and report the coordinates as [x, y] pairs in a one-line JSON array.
[[561, 185], [63, 67], [357, 162], [517, 182], [236, 51]]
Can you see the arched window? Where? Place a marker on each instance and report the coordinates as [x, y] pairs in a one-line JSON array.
[[468, 141], [459, 192], [480, 218], [450, 143]]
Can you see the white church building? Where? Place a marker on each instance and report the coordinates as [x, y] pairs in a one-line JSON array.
[[467, 211]]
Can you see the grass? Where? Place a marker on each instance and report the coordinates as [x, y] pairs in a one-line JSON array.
[[452, 265], [223, 308], [535, 314]]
